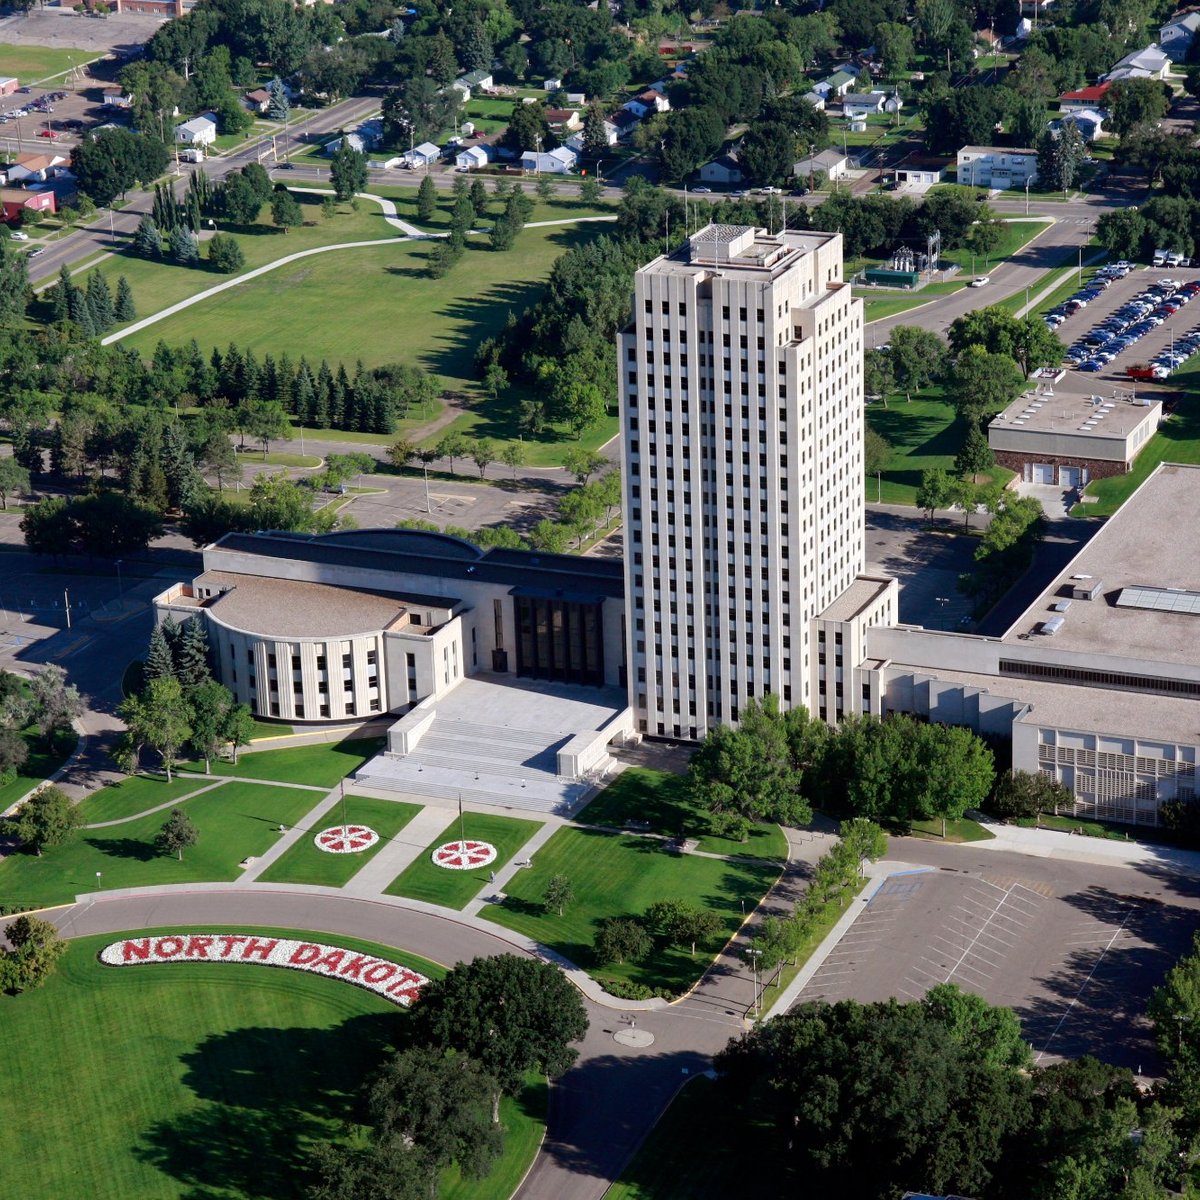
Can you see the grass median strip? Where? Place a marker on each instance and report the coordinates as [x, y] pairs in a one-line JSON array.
[[234, 821], [321, 764], [423, 880], [305, 862], [619, 875]]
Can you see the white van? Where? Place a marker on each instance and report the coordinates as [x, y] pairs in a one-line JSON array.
[[192, 154], [1160, 258]]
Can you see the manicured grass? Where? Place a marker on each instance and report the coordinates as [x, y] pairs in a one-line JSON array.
[[689, 1154], [190, 1080], [306, 863], [662, 801], [1013, 235], [321, 764], [33, 63], [44, 759], [137, 794], [278, 458], [157, 284], [616, 875], [876, 309], [270, 729], [422, 880], [234, 821], [499, 421], [1097, 829], [923, 434], [1177, 440], [961, 830]]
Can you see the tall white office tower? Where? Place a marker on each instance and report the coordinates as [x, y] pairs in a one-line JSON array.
[[742, 419]]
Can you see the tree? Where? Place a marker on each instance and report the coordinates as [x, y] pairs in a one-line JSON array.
[[1122, 232], [47, 527], [896, 48], [1027, 793], [1060, 157], [683, 924], [768, 153], [192, 668], [160, 661], [426, 199], [583, 463], [36, 949], [14, 753], [482, 454], [47, 818], [267, 422], [558, 894], [211, 706], [285, 211], [278, 106], [239, 728], [440, 1105], [954, 772], [917, 357], [393, 1170], [240, 200], [224, 254], [1136, 102], [878, 376], [528, 129], [986, 234], [124, 310], [979, 382], [621, 939], [348, 172], [177, 834], [148, 240], [877, 452], [595, 135], [512, 1014], [99, 302], [14, 479], [988, 1034], [975, 456], [55, 702], [184, 247], [160, 718], [111, 161], [512, 454]]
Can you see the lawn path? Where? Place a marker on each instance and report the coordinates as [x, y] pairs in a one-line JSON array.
[[399, 852], [522, 856], [208, 787], [310, 821]]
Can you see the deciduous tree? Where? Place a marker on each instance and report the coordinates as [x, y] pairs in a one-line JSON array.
[[47, 818], [177, 834]]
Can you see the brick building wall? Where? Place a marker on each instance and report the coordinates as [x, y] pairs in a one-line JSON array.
[[1096, 468]]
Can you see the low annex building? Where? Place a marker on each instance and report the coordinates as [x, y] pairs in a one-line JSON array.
[[1071, 439]]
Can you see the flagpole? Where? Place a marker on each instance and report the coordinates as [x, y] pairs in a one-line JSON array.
[[345, 826], [462, 829]]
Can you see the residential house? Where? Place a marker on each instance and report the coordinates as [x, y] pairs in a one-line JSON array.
[[35, 167], [863, 104], [625, 123], [473, 81], [1089, 122], [839, 83], [563, 120], [364, 139], [550, 162], [1150, 63], [1175, 37], [199, 131], [815, 99], [116, 97], [257, 101], [832, 163], [996, 166], [655, 98], [611, 135], [424, 155], [725, 170], [917, 174], [14, 200], [1088, 97], [8, 84], [551, 85], [472, 158]]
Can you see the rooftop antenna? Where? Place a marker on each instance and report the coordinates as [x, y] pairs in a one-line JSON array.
[[667, 231]]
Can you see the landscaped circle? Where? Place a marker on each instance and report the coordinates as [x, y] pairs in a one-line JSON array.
[[464, 856], [346, 839]]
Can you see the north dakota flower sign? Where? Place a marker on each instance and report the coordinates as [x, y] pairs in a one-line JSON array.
[[390, 980], [464, 856], [346, 839]]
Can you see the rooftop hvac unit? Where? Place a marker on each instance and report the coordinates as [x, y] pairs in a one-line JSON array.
[[1061, 606], [1086, 588], [1051, 626]]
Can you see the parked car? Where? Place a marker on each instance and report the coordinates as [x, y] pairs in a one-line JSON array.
[[18, 236]]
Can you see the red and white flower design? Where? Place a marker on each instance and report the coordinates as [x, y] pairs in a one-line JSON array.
[[393, 982], [464, 856], [346, 839]]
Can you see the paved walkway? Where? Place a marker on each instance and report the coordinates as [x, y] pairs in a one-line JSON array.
[[494, 890], [1109, 852], [399, 853], [302, 829]]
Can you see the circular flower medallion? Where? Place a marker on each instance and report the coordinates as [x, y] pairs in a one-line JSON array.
[[464, 856], [346, 839]]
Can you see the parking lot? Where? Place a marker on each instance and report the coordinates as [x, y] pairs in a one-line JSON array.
[[1154, 342], [1076, 961]]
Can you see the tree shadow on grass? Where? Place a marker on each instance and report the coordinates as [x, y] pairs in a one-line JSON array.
[[140, 851]]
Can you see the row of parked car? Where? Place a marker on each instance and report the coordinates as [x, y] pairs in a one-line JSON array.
[[1129, 323], [1174, 356], [1104, 278], [43, 104]]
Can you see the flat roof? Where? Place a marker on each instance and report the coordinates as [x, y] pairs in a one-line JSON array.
[[1078, 414], [738, 251], [287, 608], [863, 591], [1147, 543]]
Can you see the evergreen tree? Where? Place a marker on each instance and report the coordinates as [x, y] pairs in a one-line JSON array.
[[479, 197], [179, 468], [976, 455], [99, 302], [160, 663], [286, 383], [194, 658], [148, 240], [426, 199], [479, 49], [278, 106], [78, 311], [60, 294], [124, 311], [184, 249], [595, 138]]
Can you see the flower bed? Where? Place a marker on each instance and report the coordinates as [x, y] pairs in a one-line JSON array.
[[346, 839], [464, 856], [387, 979]]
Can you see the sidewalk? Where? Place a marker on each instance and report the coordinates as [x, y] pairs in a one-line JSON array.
[[495, 888], [1051, 843], [310, 821], [398, 853]]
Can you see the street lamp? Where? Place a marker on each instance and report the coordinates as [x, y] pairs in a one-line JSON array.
[[1027, 183], [754, 955], [97, 881]]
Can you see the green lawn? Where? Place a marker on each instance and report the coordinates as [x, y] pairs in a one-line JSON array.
[[662, 801], [321, 764], [689, 1154], [271, 729], [621, 875], [961, 830], [136, 794], [422, 880], [33, 63], [44, 759], [1013, 235], [922, 435], [234, 821], [1177, 440], [205, 1081], [305, 863]]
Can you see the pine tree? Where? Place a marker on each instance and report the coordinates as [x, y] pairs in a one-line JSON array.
[[426, 199], [278, 106], [324, 388], [230, 374], [77, 311], [286, 383], [595, 137], [184, 249], [183, 480], [346, 391], [99, 302], [125, 311], [160, 663], [194, 659], [479, 197], [479, 49], [303, 393], [60, 294], [148, 240]]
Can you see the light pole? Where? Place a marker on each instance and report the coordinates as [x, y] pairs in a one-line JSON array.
[[97, 881], [754, 955], [1027, 182]]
